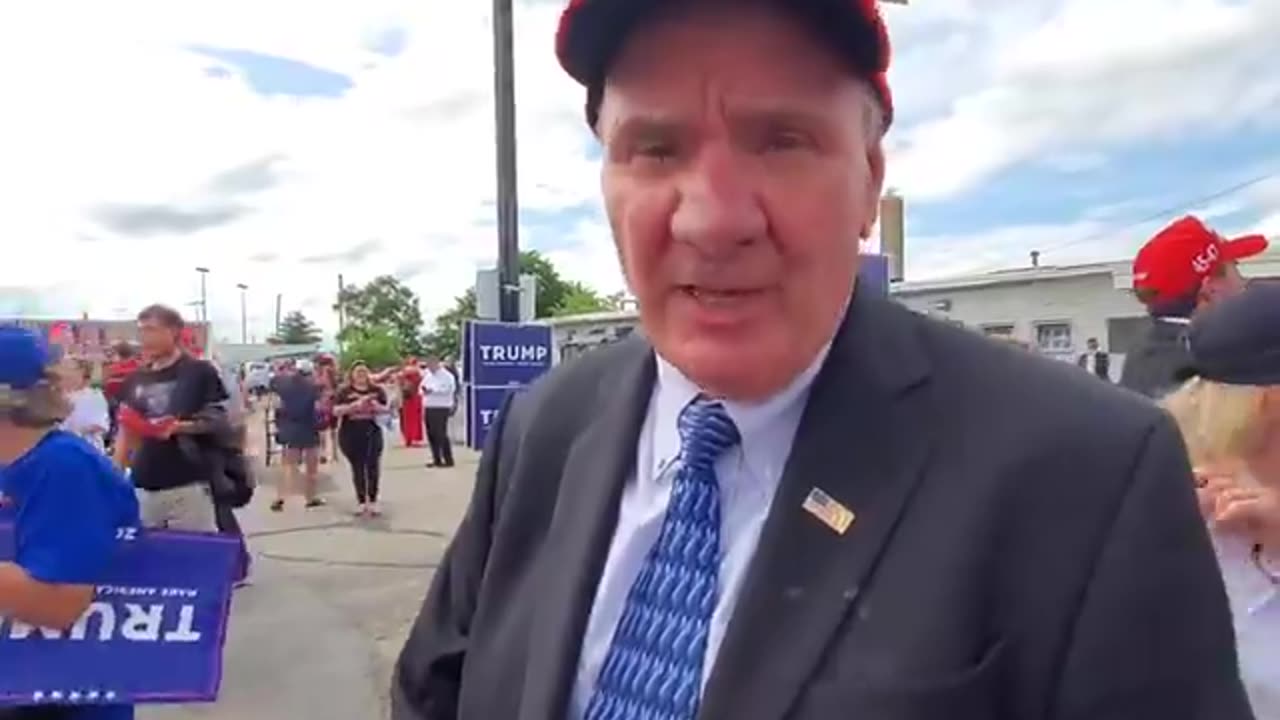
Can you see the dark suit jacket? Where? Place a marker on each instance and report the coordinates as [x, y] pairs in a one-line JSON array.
[[1101, 364], [1027, 545]]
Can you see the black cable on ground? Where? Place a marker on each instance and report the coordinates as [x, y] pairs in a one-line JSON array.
[[328, 562]]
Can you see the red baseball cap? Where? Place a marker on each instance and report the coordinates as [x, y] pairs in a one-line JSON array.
[[1175, 262], [592, 31]]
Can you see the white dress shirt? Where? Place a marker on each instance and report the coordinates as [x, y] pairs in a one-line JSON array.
[[438, 388], [748, 475], [1255, 609]]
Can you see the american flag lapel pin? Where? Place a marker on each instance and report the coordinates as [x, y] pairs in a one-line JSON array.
[[829, 510]]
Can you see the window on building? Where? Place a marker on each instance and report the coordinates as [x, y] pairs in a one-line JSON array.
[[1054, 338], [1005, 330]]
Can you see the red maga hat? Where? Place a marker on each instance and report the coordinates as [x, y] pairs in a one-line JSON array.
[[1176, 261], [592, 31]]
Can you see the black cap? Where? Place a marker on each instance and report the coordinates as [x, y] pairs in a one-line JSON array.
[[1237, 341]]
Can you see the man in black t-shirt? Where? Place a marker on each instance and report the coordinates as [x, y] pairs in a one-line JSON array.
[[171, 412]]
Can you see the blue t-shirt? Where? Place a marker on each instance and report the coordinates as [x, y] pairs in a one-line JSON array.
[[67, 503]]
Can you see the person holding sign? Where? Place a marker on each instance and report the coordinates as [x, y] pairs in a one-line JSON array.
[[67, 504]]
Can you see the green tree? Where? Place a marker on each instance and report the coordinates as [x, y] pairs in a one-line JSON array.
[[446, 340], [556, 296], [580, 299], [383, 303], [377, 346], [297, 329]]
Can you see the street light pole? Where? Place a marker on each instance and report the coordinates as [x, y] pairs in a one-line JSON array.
[[508, 207], [204, 298], [244, 315]]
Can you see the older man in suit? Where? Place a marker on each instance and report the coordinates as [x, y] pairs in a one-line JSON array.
[[794, 500]]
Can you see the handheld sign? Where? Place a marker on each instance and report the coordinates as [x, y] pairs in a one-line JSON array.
[[154, 633]]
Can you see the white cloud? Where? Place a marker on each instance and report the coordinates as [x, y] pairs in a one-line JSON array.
[[119, 112], [1095, 73]]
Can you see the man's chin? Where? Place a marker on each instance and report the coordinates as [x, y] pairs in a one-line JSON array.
[[733, 369]]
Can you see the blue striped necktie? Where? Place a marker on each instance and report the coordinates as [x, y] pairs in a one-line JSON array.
[[653, 670]]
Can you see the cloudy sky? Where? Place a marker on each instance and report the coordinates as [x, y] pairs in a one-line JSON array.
[[282, 143]]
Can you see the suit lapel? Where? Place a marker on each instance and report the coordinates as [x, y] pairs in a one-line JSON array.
[[861, 440], [596, 468]]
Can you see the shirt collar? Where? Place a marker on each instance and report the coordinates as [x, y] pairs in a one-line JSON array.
[[764, 426]]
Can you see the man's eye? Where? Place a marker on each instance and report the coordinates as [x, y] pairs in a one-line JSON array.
[[659, 151], [782, 141]]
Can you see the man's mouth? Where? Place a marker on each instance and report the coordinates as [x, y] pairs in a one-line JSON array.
[[717, 296]]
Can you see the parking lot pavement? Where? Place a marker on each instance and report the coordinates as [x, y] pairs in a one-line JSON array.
[[317, 633]]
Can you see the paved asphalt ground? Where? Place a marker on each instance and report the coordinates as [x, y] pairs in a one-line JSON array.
[[317, 633]]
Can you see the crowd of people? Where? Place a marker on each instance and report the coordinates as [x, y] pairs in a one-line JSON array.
[[318, 418], [164, 444]]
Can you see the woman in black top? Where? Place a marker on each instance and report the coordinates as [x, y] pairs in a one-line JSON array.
[[357, 406]]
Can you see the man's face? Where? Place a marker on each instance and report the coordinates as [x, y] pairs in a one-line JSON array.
[[740, 173], [1092, 345], [156, 339], [1225, 282]]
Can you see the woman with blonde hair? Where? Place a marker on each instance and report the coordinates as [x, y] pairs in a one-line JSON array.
[[1229, 414]]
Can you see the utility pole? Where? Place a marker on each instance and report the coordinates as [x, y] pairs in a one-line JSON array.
[[342, 308], [204, 298], [279, 300], [244, 315], [508, 207]]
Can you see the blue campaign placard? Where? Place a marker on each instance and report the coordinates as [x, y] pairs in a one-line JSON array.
[[153, 634], [508, 353], [485, 402], [873, 275]]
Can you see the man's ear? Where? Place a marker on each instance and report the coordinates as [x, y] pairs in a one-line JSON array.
[[875, 187]]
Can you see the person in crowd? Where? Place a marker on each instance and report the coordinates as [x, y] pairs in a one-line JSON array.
[[452, 367], [411, 408], [66, 501], [1095, 360], [1229, 414], [236, 408], [791, 498], [296, 409], [439, 391], [90, 416], [1183, 269], [327, 378], [171, 416], [359, 404], [124, 363]]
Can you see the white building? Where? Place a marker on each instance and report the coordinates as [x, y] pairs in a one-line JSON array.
[[1054, 309]]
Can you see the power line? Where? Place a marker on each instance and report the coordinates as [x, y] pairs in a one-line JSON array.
[[1183, 207]]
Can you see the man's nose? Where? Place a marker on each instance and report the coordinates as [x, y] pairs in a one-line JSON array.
[[718, 209]]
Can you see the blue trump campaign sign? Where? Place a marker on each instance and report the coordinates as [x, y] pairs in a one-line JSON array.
[[500, 358], [153, 634], [485, 403], [508, 353]]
